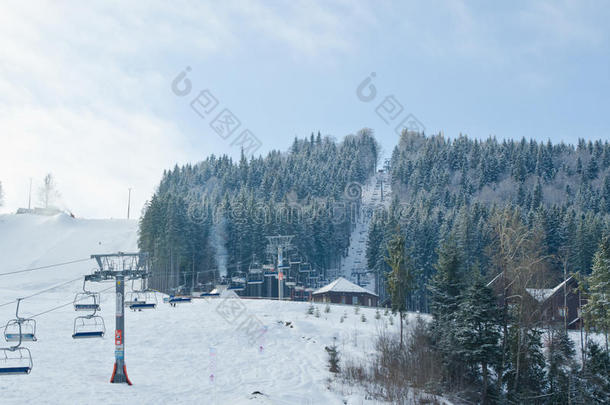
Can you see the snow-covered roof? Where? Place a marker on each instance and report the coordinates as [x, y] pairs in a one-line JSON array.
[[540, 294], [343, 285], [543, 294]]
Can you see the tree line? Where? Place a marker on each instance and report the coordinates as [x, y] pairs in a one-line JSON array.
[[214, 215]]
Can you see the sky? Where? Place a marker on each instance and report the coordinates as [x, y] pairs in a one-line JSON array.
[[93, 93]]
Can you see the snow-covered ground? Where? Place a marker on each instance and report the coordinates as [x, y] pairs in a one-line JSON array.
[[170, 352]]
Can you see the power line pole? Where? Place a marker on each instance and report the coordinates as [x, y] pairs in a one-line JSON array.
[[30, 196], [129, 203]]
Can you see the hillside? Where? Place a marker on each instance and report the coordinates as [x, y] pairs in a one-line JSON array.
[[212, 218], [167, 349], [460, 189]]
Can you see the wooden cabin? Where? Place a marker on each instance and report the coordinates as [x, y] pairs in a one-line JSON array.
[[550, 306], [342, 291]]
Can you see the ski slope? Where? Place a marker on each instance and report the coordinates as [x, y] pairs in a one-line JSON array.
[[171, 353], [355, 261]]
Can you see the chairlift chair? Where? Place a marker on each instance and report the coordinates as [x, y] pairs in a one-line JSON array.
[[178, 299], [15, 360], [138, 300], [237, 285], [291, 281], [305, 268], [255, 268], [87, 300], [20, 329], [295, 260], [269, 270], [89, 326], [256, 278]]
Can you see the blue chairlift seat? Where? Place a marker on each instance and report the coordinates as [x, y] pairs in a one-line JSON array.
[[88, 335], [142, 305], [87, 327], [15, 370], [86, 307], [179, 300], [21, 326], [25, 337]]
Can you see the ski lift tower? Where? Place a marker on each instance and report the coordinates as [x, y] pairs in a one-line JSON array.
[[278, 245], [120, 267]]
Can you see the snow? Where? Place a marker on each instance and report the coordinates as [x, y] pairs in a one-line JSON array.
[[168, 350], [355, 261], [540, 294], [342, 285]]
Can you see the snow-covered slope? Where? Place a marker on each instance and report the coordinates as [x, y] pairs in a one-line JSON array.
[[168, 350], [372, 200]]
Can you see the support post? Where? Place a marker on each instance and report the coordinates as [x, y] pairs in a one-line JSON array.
[[280, 275], [119, 374]]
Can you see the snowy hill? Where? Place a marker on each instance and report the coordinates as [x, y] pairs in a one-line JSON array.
[[171, 353]]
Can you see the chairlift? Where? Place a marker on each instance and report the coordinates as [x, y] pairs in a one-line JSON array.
[[255, 273], [305, 268], [269, 270], [178, 299], [20, 329], [290, 281], [238, 283], [17, 359], [87, 300], [141, 299], [138, 300], [256, 278], [89, 326], [294, 260]]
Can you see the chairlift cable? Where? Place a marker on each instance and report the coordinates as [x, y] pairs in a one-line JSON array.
[[44, 267], [41, 292], [65, 305]]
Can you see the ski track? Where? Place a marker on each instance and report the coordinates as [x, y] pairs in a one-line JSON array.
[[371, 201]]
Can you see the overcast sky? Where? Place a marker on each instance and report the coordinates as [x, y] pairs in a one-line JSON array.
[[86, 87]]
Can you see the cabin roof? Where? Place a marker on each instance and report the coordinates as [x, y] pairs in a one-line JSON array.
[[543, 294], [343, 285]]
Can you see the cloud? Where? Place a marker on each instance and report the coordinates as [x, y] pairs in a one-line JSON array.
[[84, 88]]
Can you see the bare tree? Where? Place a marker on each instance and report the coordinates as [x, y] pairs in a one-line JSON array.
[[47, 194], [518, 254]]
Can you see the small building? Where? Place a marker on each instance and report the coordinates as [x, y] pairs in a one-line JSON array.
[[555, 309], [342, 291], [40, 211], [547, 305]]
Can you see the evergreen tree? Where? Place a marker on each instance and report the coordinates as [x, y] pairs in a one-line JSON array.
[[596, 374], [597, 309], [478, 332], [525, 376], [445, 294], [400, 279], [561, 367]]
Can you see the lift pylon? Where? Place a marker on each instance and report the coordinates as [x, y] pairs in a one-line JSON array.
[[120, 267]]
